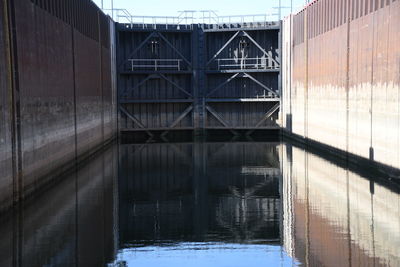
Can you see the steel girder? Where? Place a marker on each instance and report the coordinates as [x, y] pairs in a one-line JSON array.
[[241, 33], [245, 75], [151, 35], [155, 76], [148, 130]]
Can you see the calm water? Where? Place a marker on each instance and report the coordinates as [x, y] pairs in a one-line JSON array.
[[208, 204]]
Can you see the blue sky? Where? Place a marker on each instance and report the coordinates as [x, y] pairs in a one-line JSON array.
[[224, 7]]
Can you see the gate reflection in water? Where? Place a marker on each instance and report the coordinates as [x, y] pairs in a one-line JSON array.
[[207, 204], [201, 204], [251, 204]]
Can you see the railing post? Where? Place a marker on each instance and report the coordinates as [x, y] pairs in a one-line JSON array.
[[155, 64]]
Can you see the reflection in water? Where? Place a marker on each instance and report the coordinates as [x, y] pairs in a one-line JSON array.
[[207, 204], [251, 204], [202, 204], [335, 217], [70, 224]]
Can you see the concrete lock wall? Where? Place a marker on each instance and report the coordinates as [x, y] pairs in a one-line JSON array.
[[57, 99], [342, 77]]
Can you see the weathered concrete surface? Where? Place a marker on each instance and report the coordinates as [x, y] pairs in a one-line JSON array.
[[6, 171], [342, 88], [63, 91]]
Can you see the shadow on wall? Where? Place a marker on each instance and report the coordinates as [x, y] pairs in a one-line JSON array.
[[58, 101]]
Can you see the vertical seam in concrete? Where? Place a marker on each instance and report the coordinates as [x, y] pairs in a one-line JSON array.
[[290, 68], [307, 204], [101, 74], [76, 146], [116, 74], [387, 64], [14, 99], [306, 71], [347, 79], [13, 77], [102, 126], [347, 131], [280, 46], [371, 156]]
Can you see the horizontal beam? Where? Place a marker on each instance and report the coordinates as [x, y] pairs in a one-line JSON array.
[[271, 28], [140, 29], [243, 128], [154, 101], [234, 100], [161, 129], [192, 128], [136, 72], [243, 71]]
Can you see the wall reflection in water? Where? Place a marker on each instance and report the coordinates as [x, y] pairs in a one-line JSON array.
[[202, 204], [267, 201], [207, 204], [335, 217], [70, 224]]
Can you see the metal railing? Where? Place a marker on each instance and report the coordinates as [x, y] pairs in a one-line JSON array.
[[246, 63], [155, 22], [156, 64], [256, 20], [187, 18]]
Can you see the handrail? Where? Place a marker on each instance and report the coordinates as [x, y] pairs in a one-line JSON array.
[[156, 64], [187, 18], [246, 63]]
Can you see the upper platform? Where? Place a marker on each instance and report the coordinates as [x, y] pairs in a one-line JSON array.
[[187, 20]]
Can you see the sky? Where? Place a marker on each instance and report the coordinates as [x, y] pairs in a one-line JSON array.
[[223, 7]]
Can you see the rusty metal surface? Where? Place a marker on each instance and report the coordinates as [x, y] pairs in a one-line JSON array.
[[65, 87], [344, 85]]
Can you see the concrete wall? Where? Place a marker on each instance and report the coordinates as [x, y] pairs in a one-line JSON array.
[[6, 168], [342, 77], [61, 87]]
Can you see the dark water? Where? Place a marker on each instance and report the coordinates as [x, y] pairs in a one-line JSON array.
[[208, 204]]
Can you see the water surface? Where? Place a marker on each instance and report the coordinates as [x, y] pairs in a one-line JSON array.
[[208, 204]]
